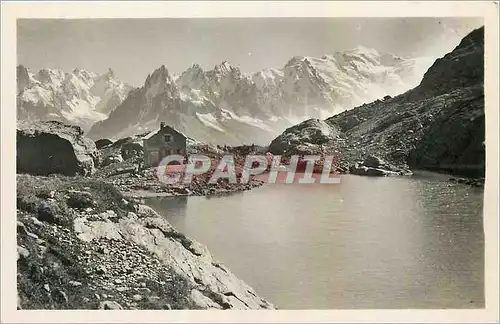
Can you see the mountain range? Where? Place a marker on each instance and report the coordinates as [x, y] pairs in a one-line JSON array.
[[80, 97], [223, 105], [439, 125]]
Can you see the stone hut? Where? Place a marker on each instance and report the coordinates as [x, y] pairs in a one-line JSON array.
[[165, 141]]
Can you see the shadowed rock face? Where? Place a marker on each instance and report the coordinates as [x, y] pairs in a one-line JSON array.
[[102, 143], [437, 126], [454, 142], [45, 148], [461, 68]]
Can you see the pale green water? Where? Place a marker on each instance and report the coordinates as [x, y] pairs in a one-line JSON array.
[[366, 243]]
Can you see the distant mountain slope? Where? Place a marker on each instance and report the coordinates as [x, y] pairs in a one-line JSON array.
[[439, 125], [227, 106], [80, 97]]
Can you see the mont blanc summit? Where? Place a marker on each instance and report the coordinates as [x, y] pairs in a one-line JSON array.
[[227, 106]]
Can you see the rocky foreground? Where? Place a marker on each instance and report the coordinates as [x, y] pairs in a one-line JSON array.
[[122, 161], [82, 245]]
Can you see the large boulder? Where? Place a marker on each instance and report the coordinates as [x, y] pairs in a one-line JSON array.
[[103, 142], [48, 147], [375, 166], [111, 159], [363, 170], [373, 161], [306, 137]]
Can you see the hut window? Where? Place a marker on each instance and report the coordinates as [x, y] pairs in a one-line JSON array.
[[168, 138]]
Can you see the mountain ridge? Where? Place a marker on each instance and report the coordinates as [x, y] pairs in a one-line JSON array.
[[226, 106], [79, 97], [438, 125]]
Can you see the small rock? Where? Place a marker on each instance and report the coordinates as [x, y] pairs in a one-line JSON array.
[[21, 228], [33, 235], [122, 289], [75, 283], [45, 213], [46, 287], [97, 296], [137, 297], [118, 281], [21, 251], [101, 269], [110, 305], [36, 222], [103, 250], [152, 299], [60, 296]]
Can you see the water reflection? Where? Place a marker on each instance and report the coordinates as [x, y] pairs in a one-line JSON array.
[[168, 206], [366, 243]]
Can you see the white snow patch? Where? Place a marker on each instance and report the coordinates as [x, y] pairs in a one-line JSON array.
[[210, 121]]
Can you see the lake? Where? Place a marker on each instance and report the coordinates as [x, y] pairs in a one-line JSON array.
[[405, 242]]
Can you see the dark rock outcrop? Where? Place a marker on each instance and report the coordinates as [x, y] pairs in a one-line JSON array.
[[437, 126], [377, 167], [103, 142], [48, 147], [455, 141]]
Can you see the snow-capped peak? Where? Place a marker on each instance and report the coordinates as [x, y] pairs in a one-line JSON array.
[[159, 75], [160, 82], [111, 73], [362, 50], [80, 97], [223, 68], [225, 105]]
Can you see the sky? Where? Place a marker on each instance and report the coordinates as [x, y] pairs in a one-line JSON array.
[[133, 48]]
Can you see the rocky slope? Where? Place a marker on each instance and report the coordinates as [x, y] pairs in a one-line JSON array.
[[307, 137], [227, 106], [121, 166], [80, 98], [47, 147], [439, 125], [81, 245]]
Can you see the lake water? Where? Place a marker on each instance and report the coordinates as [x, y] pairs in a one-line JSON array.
[[408, 242]]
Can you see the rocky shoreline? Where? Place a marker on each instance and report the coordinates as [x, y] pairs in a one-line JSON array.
[[121, 166], [84, 242], [83, 245]]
